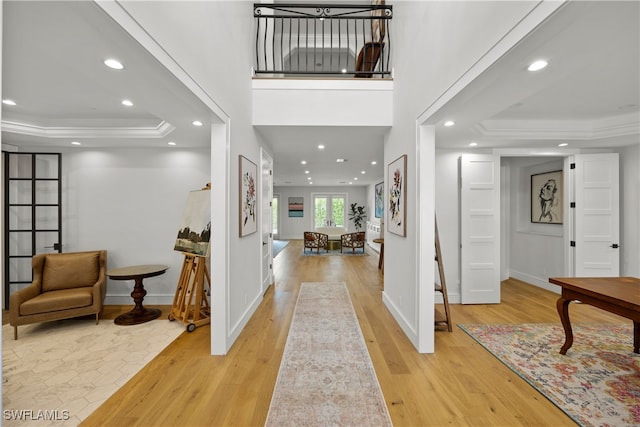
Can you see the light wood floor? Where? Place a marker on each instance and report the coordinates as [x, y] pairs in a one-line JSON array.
[[460, 385]]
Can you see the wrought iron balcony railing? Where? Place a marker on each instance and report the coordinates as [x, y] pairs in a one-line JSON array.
[[323, 40]]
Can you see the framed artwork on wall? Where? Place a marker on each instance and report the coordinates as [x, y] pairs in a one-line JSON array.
[[379, 200], [546, 198], [397, 213], [296, 207], [248, 197]]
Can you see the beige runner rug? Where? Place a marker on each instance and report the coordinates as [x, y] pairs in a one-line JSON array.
[[326, 377]]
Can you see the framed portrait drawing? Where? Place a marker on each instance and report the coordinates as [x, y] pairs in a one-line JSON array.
[[379, 200], [248, 197], [547, 198], [397, 210]]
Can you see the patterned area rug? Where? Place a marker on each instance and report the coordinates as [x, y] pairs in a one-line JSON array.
[[58, 373], [326, 377], [597, 383]]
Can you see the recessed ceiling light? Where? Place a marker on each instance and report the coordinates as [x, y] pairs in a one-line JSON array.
[[449, 123], [350, 182], [114, 63], [310, 182], [344, 71], [537, 65], [374, 162], [473, 144], [306, 171], [339, 160], [304, 162], [363, 172], [355, 178], [309, 178], [9, 102], [563, 144], [76, 143], [320, 147], [171, 143], [196, 123], [127, 103]]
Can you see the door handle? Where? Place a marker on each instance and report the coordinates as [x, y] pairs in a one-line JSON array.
[[615, 246], [264, 243]]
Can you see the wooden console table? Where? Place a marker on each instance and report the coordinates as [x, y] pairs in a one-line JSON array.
[[139, 314], [618, 295]]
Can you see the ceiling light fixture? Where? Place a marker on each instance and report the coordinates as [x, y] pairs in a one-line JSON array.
[[537, 65], [310, 182], [363, 172], [76, 143], [449, 123], [171, 143], [563, 144], [304, 162], [473, 144], [309, 178], [374, 162], [344, 71], [127, 103], [9, 102], [196, 123], [320, 147], [355, 178], [306, 171], [114, 63], [350, 182], [339, 160]]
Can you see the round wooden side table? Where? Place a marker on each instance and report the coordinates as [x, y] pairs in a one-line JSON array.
[[139, 314]]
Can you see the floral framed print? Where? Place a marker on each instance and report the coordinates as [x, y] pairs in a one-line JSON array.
[[397, 213], [546, 198], [248, 197]]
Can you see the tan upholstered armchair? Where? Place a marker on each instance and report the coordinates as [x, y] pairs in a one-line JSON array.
[[353, 241], [64, 285], [314, 240]]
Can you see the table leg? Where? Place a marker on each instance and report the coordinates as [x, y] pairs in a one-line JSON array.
[[563, 311], [636, 337], [139, 314], [381, 258]]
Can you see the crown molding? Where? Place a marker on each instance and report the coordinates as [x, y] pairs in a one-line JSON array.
[[125, 132], [609, 127]]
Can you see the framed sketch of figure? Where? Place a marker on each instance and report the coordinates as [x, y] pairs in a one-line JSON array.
[[546, 198]]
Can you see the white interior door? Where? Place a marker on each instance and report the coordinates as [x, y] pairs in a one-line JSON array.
[[267, 220], [597, 215], [480, 229]]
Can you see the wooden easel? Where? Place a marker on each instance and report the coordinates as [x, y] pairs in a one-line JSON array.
[[442, 288], [190, 303]]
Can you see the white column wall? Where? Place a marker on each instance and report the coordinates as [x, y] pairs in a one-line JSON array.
[[630, 210], [434, 44], [214, 44]]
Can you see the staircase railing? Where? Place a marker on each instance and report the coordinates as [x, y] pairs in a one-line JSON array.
[[323, 39]]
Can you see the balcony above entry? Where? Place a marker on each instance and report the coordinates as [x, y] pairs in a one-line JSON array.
[[331, 40]]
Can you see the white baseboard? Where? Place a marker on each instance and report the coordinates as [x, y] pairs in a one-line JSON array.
[[404, 325], [535, 281]]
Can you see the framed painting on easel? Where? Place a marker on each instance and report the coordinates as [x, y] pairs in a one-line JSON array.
[[194, 233]]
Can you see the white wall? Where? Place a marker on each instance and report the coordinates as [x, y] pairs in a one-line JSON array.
[[535, 251], [130, 202], [292, 228], [423, 70], [214, 44]]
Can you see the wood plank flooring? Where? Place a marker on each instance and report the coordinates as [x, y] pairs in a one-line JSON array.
[[460, 385]]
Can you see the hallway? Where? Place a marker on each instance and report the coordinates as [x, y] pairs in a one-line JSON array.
[[461, 384]]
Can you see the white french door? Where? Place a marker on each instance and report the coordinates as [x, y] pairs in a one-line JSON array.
[[329, 210], [267, 221], [597, 215], [480, 229]]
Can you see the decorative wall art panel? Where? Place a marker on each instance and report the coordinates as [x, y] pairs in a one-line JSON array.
[[397, 213], [248, 197], [194, 233]]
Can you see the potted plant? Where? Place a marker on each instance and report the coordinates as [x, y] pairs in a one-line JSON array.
[[357, 215]]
